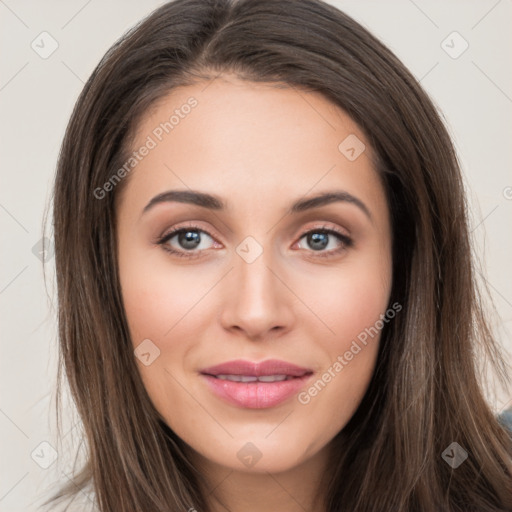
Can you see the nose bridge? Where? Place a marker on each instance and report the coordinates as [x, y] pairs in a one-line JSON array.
[[257, 284], [253, 271], [257, 299]]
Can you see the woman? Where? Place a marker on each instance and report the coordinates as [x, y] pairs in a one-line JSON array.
[[266, 293]]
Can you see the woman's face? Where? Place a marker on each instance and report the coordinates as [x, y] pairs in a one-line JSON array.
[[256, 278]]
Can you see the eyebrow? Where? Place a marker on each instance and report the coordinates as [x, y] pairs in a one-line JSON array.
[[212, 202]]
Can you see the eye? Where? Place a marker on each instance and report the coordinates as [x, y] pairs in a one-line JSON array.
[[187, 240], [320, 238], [190, 241]]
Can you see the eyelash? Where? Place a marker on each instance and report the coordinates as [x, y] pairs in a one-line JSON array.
[[346, 241]]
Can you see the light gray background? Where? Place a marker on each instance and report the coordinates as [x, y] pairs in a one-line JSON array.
[[473, 91]]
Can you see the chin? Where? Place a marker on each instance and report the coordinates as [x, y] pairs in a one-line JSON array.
[[260, 456]]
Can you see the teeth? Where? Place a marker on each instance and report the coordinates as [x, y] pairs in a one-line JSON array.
[[272, 378], [250, 378]]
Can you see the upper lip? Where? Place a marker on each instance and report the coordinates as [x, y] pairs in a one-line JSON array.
[[249, 368]]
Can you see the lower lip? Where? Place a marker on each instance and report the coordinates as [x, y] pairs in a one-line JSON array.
[[255, 395]]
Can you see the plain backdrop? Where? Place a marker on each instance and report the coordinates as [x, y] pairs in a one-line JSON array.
[[461, 52]]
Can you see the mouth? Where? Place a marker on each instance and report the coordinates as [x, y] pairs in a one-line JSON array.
[[252, 378], [256, 385]]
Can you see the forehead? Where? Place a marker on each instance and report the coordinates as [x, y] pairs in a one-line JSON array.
[[246, 140]]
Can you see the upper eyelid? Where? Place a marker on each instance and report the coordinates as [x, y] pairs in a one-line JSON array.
[[192, 227], [176, 230]]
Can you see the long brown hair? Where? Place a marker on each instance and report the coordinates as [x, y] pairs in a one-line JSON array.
[[425, 393]]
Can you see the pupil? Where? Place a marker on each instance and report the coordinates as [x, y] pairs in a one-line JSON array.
[[189, 239], [318, 240]]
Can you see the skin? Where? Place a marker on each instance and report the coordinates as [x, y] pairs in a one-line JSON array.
[[258, 148]]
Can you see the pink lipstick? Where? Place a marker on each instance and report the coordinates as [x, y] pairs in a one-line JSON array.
[[256, 385]]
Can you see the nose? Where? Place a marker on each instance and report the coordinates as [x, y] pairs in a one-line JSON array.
[[257, 301]]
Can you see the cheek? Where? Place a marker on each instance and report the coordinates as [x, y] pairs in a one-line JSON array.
[[156, 298], [164, 307], [351, 301], [169, 306], [348, 299]]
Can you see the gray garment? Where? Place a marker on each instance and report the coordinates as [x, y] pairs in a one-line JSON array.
[[505, 418]]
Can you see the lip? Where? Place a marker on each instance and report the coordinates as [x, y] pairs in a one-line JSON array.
[[256, 395], [268, 367]]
